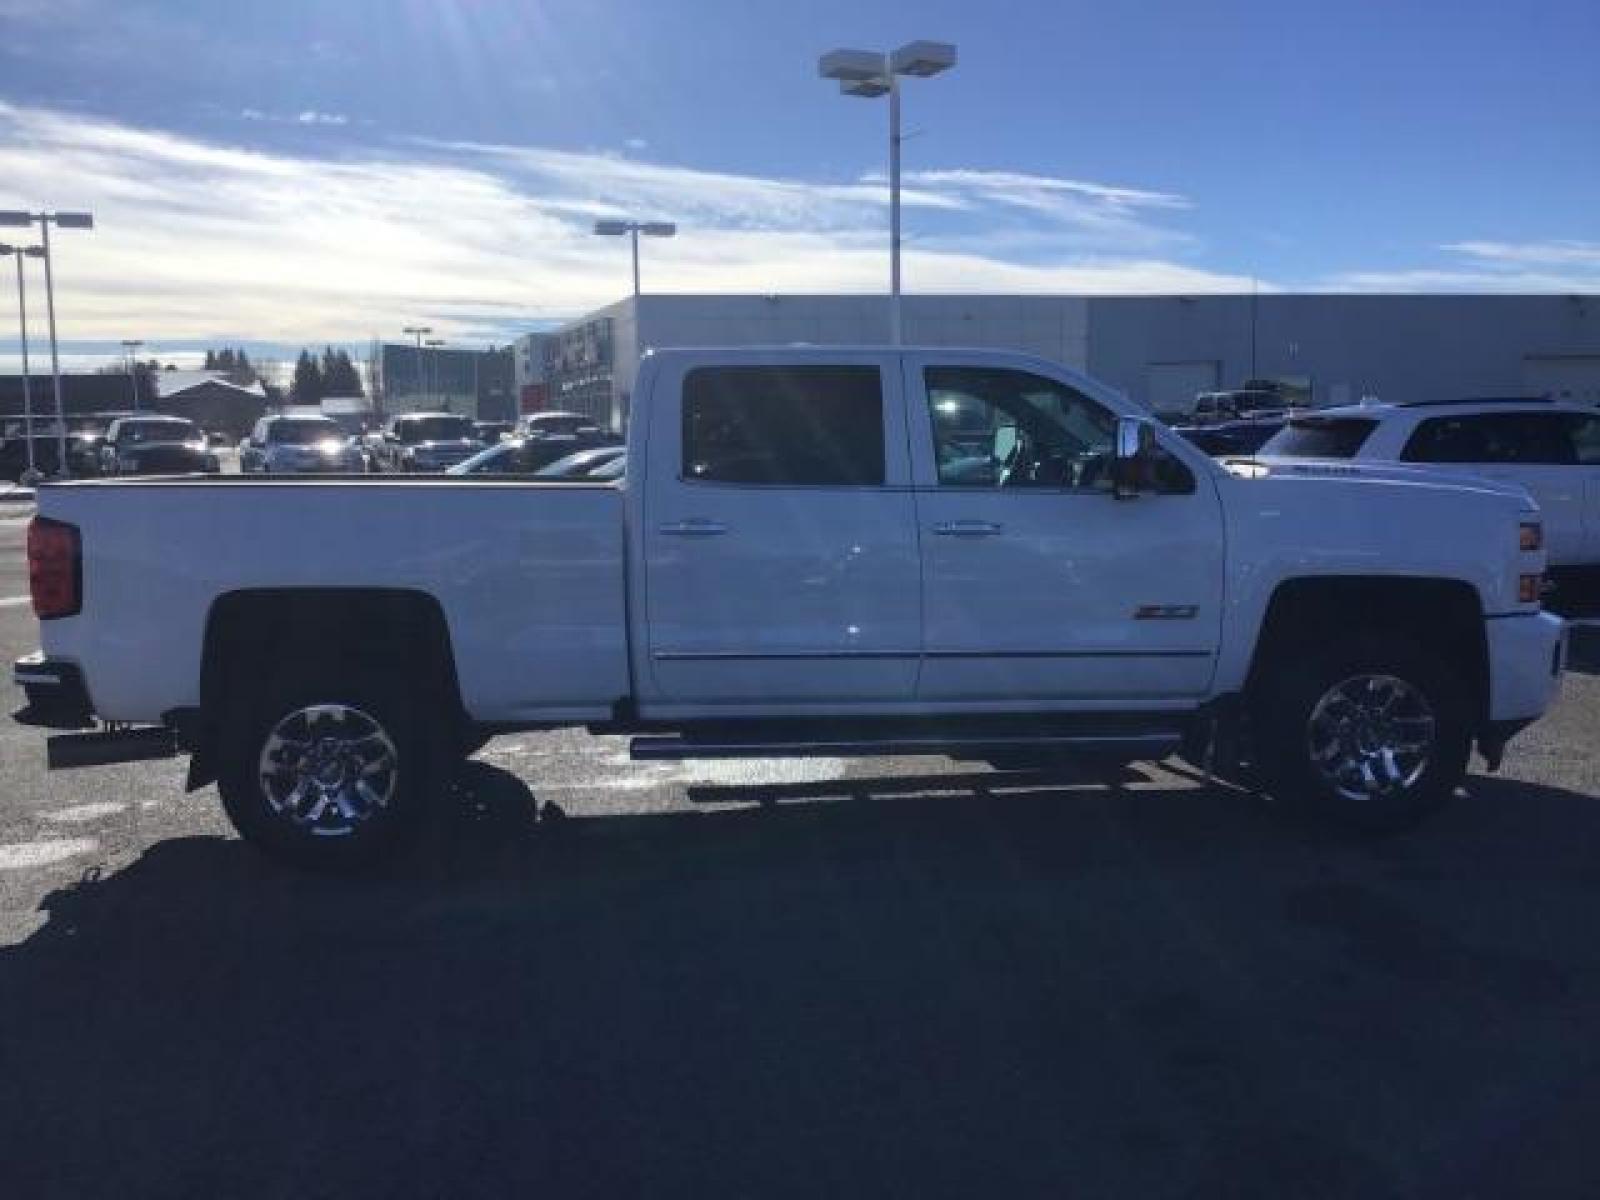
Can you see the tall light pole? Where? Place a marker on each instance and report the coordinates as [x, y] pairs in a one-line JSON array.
[[868, 74], [19, 253], [129, 345], [433, 386], [633, 229], [74, 220], [417, 331]]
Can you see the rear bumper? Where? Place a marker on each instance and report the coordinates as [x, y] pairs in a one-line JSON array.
[[1527, 656], [57, 696]]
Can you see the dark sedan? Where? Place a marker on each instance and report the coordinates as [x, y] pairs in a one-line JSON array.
[[1230, 438]]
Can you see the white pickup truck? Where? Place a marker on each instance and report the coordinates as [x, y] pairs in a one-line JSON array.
[[814, 551]]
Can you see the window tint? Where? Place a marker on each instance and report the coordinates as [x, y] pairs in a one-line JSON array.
[[1528, 439], [1321, 437], [1003, 428], [794, 426]]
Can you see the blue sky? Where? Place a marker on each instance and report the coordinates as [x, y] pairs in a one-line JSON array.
[[295, 171]]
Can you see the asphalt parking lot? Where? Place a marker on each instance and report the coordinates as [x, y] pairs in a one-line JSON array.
[[832, 978]]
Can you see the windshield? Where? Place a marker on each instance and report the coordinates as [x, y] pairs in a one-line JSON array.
[[434, 429], [1321, 437], [157, 431], [303, 432]]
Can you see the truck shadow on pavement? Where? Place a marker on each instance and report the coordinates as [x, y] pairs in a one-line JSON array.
[[1583, 651], [1000, 986]]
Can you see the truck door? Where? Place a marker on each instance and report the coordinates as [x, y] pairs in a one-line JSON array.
[[780, 538], [1038, 585]]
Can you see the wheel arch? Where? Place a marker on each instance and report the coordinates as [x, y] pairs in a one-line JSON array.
[[248, 632], [1446, 614]]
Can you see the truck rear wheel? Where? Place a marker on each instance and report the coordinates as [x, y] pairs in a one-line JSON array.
[[1371, 732], [328, 772]]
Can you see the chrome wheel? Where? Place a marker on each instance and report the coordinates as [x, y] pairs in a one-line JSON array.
[[1371, 736], [328, 769]]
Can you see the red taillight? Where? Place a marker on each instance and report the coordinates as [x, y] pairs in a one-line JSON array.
[[55, 568]]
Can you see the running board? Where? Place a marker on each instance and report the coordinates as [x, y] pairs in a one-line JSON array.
[[1129, 747]]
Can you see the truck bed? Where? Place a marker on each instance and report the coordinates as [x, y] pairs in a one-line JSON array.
[[529, 576]]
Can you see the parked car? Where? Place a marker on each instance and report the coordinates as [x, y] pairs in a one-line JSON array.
[[14, 455], [426, 442], [155, 446], [86, 436], [795, 571], [583, 464], [523, 456], [544, 424], [1236, 404], [296, 445], [1552, 449], [617, 468], [1230, 437], [490, 432]]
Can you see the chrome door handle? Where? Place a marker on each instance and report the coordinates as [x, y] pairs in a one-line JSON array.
[[694, 527], [968, 528]]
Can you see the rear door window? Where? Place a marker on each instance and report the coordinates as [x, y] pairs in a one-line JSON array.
[[801, 426], [1504, 439]]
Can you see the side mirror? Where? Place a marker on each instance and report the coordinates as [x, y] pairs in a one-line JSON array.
[[1135, 444]]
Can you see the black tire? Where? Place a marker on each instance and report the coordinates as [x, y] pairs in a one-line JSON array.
[[1300, 764], [291, 830]]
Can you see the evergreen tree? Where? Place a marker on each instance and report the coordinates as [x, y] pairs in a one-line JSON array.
[[308, 386], [211, 360], [339, 374]]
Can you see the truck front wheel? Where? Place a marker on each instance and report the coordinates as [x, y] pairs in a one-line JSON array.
[[327, 772], [1371, 732]]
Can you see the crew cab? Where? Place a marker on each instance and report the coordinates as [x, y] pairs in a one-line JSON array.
[[815, 551], [426, 442]]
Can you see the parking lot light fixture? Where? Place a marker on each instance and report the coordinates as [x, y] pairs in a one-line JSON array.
[[20, 253], [129, 347], [417, 331], [65, 220], [615, 228], [433, 382], [867, 74]]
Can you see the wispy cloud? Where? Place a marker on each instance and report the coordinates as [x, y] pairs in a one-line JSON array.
[[1491, 266], [199, 239], [309, 116]]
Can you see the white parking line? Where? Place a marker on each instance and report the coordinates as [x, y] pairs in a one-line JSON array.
[[13, 601], [20, 856]]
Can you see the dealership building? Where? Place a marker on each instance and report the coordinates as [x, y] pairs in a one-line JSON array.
[[1159, 350], [411, 378]]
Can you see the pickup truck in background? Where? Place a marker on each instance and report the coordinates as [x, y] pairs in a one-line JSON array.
[[816, 551]]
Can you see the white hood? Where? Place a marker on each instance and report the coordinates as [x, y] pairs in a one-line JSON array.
[[1408, 474]]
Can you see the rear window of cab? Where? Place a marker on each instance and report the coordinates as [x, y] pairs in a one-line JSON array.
[[1321, 437]]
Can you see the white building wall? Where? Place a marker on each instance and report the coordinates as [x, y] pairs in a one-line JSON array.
[[1341, 346]]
